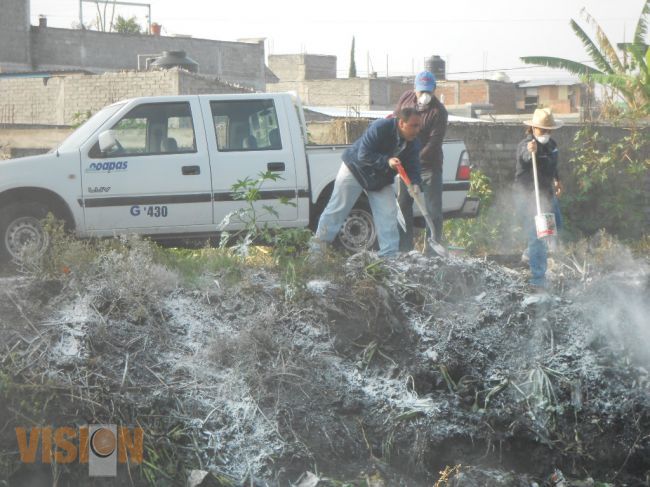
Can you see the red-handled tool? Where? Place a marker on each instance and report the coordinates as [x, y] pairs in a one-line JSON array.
[[437, 247]]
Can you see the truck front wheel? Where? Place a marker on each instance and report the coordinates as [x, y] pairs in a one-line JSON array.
[[21, 230], [358, 231]]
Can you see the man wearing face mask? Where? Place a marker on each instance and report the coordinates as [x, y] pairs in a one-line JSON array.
[[538, 140], [434, 125]]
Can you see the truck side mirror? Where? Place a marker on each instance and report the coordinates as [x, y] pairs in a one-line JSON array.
[[107, 141]]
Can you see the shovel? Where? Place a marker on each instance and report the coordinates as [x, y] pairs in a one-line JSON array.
[[544, 222], [437, 248]]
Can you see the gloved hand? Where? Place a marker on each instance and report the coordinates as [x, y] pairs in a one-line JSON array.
[[415, 190]]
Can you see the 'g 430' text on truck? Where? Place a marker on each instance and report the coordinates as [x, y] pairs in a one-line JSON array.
[[165, 167]]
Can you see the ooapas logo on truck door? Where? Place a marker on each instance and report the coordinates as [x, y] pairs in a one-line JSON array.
[[108, 166]]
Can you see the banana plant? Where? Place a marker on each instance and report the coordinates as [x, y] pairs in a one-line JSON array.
[[625, 69]]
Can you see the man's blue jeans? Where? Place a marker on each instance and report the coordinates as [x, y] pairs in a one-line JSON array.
[[432, 192], [345, 194], [538, 249]]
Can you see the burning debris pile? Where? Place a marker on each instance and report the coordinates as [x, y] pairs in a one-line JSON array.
[[369, 372]]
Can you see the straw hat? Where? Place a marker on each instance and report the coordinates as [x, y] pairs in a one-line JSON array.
[[543, 119]]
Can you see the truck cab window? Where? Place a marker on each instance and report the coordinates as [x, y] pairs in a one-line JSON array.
[[246, 125], [151, 129]]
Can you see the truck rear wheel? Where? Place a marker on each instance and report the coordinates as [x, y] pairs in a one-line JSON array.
[[358, 231], [21, 230]]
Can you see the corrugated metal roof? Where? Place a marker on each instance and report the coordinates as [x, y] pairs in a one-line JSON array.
[[549, 82], [43, 74], [337, 112]]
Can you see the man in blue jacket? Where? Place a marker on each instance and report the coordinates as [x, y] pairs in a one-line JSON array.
[[369, 164]]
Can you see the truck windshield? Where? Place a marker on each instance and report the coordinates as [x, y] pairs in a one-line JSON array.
[[80, 135]]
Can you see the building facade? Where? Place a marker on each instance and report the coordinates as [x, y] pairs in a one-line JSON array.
[[24, 47]]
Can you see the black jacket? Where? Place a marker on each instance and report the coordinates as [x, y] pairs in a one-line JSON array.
[[547, 162]]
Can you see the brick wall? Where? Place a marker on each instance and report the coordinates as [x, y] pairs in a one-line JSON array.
[[502, 96], [60, 99], [447, 92], [472, 91]]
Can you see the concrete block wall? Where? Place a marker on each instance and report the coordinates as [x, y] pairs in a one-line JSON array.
[[353, 92], [361, 93], [61, 99], [197, 84], [320, 66], [384, 94], [301, 67], [14, 36], [233, 62], [492, 146], [31, 101]]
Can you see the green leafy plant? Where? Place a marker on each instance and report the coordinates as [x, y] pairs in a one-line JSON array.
[[624, 69], [79, 118], [286, 243], [608, 183], [491, 230], [127, 26]]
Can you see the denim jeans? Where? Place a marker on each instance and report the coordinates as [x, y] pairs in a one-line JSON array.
[[345, 194], [538, 249], [432, 192]]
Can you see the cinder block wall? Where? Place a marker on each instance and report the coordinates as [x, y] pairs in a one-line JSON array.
[[492, 146], [56, 49], [61, 99], [300, 67], [362, 93], [14, 36]]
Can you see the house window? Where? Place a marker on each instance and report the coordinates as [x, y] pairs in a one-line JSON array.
[[531, 99]]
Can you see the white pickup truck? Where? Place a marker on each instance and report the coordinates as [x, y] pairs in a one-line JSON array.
[[165, 166]]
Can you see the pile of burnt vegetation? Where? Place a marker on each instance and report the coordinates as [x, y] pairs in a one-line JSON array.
[[348, 371]]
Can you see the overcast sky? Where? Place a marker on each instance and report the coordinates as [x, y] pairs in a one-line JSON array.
[[471, 35]]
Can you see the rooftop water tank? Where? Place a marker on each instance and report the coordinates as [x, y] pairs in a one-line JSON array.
[[436, 65], [174, 59]]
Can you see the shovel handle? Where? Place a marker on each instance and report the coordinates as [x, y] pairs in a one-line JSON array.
[[402, 174]]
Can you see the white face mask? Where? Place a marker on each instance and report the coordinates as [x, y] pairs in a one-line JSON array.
[[543, 139], [424, 98]]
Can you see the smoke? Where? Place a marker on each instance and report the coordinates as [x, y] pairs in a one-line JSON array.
[[615, 300]]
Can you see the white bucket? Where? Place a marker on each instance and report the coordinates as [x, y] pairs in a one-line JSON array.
[[545, 225]]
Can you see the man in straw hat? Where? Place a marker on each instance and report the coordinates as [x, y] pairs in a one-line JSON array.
[[538, 141]]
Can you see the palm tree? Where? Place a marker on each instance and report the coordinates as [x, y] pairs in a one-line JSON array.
[[624, 69]]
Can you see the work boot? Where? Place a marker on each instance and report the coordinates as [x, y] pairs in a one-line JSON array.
[[317, 248]]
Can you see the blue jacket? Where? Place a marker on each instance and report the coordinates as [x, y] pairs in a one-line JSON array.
[[368, 157]]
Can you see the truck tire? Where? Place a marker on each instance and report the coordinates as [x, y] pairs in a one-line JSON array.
[[20, 225], [358, 231]]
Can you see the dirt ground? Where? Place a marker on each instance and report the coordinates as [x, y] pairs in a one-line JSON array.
[[379, 374]]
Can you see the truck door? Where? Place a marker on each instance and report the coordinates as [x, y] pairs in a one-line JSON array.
[[155, 178], [248, 137]]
